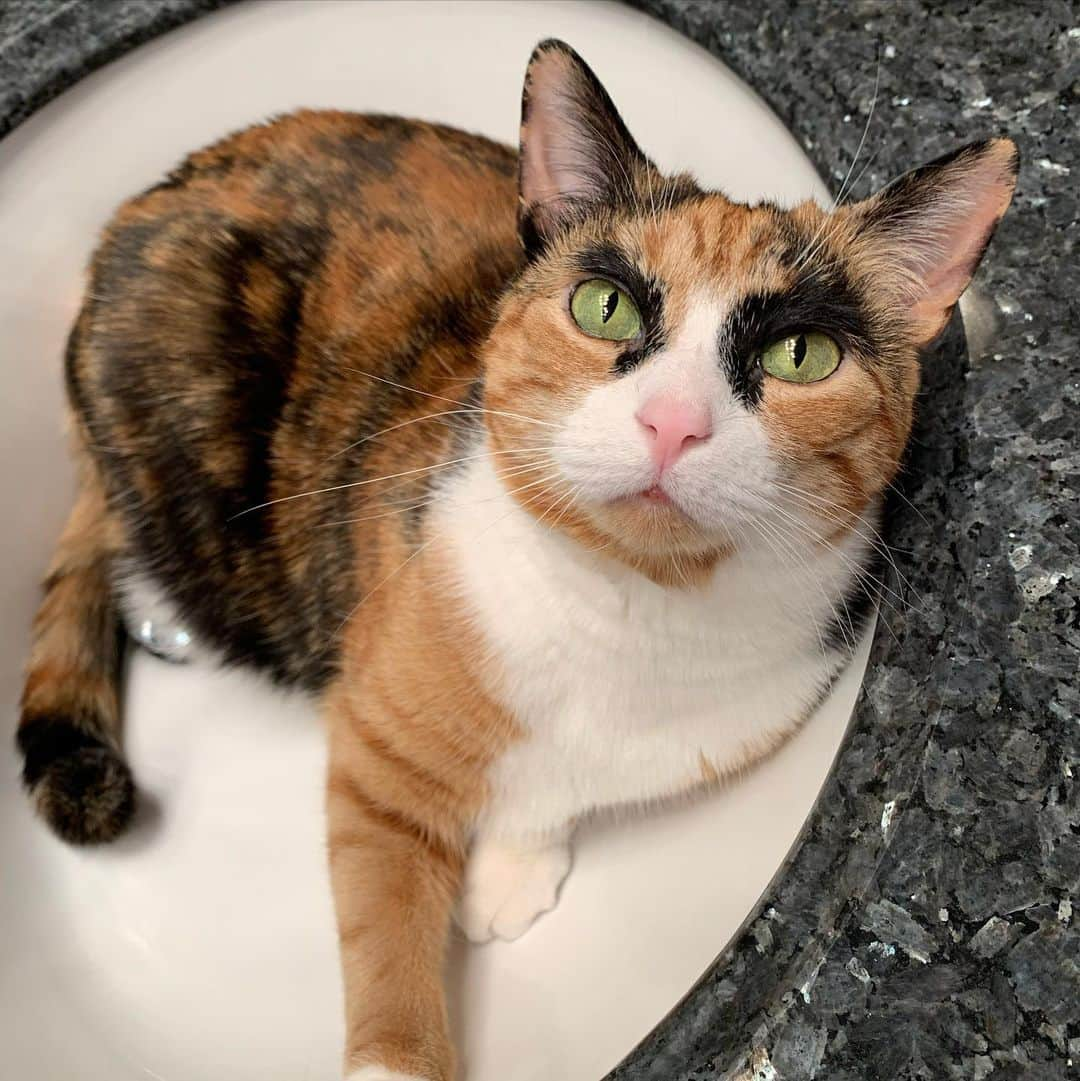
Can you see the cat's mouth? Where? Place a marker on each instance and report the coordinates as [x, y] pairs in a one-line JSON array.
[[655, 500], [656, 494]]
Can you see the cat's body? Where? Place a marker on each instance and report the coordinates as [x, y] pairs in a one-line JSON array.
[[239, 319], [522, 493]]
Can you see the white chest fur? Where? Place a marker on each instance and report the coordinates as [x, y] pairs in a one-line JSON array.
[[629, 692]]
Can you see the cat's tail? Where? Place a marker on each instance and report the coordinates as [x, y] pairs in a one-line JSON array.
[[69, 727]]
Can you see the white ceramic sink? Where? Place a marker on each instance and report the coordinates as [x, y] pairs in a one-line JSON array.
[[201, 947]]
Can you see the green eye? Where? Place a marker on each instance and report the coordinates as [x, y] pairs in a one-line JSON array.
[[603, 310], [802, 358]]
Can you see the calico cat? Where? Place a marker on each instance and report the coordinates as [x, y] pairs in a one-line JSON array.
[[556, 480]]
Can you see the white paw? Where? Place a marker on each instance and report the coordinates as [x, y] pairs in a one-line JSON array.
[[380, 1073], [507, 887]]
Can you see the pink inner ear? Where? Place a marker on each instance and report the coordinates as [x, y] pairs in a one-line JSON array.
[[964, 232], [944, 282], [938, 245], [552, 162]]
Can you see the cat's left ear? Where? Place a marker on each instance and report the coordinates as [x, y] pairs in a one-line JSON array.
[[576, 153], [925, 234]]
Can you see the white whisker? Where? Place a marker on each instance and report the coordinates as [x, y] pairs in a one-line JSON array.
[[374, 480], [452, 401], [403, 424]]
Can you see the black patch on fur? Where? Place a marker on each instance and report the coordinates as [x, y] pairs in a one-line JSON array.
[[532, 243], [126, 265], [82, 787], [856, 605], [372, 157], [259, 384], [263, 357], [646, 292], [45, 739], [821, 299], [214, 559]]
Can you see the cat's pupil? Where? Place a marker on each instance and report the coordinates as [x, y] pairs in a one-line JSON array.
[[608, 306], [800, 350]]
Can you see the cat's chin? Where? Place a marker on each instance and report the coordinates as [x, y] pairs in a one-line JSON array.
[[659, 513], [651, 526]]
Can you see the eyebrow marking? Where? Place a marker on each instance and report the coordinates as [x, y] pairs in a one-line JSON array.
[[647, 292], [822, 300]]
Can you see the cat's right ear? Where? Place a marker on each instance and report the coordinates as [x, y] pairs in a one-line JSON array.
[[925, 233], [576, 153]]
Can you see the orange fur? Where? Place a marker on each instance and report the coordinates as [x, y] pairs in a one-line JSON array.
[[411, 736]]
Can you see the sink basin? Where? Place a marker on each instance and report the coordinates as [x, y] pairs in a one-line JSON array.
[[201, 946]]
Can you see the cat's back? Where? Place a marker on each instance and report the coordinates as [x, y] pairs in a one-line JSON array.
[[284, 220], [245, 324], [321, 235]]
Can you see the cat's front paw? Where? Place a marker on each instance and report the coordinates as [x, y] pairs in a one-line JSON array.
[[508, 886]]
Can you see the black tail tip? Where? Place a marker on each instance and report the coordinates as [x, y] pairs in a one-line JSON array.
[[80, 786]]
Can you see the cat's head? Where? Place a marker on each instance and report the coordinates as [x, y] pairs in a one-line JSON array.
[[691, 375]]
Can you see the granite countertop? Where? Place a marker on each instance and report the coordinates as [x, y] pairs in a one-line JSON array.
[[923, 925]]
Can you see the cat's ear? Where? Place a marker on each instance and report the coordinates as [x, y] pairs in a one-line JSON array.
[[575, 150], [926, 233]]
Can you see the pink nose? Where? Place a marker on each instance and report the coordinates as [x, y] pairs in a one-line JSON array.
[[671, 426]]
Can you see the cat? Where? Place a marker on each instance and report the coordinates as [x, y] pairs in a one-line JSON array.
[[554, 478]]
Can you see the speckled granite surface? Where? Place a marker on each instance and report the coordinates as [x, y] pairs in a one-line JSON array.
[[923, 926], [46, 45]]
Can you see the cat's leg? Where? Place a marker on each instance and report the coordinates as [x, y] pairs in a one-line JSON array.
[[69, 724], [395, 874], [511, 882]]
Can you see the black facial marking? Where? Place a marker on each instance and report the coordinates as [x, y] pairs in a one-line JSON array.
[[646, 292], [740, 340], [532, 242], [821, 299]]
